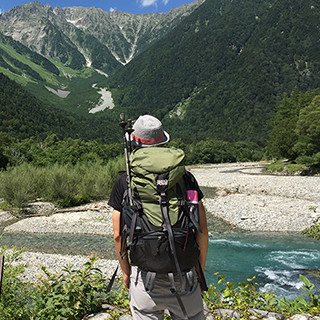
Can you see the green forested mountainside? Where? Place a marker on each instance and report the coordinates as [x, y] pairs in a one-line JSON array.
[[99, 54], [221, 81], [225, 66], [23, 115], [23, 50]]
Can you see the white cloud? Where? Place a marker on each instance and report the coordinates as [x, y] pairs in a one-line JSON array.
[[112, 9], [1, 11], [165, 2], [147, 3]]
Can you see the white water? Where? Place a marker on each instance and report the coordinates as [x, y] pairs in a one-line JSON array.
[[276, 261]]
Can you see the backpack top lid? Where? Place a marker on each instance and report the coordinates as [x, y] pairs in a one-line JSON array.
[[145, 163], [156, 159]]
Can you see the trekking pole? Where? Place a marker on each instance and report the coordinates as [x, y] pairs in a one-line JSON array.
[[1, 270], [127, 130]]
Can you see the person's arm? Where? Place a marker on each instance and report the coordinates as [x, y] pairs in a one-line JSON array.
[[124, 262], [202, 238]]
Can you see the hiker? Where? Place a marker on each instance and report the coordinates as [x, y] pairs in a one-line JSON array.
[[153, 286]]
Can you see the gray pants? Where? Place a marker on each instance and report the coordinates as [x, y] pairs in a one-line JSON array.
[[151, 305]]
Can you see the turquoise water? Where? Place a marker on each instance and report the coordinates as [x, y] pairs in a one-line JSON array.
[[276, 260]]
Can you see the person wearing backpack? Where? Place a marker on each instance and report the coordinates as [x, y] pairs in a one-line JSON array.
[[159, 218]]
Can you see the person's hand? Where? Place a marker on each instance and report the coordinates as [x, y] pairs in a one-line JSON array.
[[126, 281]]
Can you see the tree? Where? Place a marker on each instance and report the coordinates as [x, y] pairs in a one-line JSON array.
[[284, 135], [3, 159], [308, 129]]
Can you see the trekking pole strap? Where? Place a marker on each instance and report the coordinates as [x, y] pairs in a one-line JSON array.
[[174, 291], [112, 280], [202, 278]]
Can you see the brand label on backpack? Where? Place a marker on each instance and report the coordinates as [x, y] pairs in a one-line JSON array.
[[162, 182]]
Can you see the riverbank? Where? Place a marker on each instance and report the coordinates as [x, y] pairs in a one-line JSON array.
[[245, 198]]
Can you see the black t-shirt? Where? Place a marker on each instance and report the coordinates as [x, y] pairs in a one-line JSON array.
[[120, 186]]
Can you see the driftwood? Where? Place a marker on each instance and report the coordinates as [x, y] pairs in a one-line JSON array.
[[74, 210], [1, 270]]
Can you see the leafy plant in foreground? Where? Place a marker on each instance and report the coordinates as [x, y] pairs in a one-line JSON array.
[[314, 230], [14, 294], [311, 305], [242, 297], [70, 294], [245, 296]]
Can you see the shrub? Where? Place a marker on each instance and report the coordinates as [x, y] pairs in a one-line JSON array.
[[62, 186], [14, 299], [246, 296], [70, 294], [65, 185], [314, 230], [17, 186]]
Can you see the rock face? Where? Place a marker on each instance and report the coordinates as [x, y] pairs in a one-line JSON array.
[[78, 34]]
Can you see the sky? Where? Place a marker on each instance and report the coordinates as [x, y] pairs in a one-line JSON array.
[[133, 6]]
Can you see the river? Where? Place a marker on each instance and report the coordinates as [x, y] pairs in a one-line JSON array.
[[275, 258]]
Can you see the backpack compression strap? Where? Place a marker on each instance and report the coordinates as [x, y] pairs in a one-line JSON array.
[[162, 186]]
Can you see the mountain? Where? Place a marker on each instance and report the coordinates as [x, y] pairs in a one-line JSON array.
[[22, 115], [53, 83], [221, 71], [63, 56], [211, 69], [79, 36]]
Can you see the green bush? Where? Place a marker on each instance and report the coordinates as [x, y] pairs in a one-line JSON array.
[[62, 185], [67, 295], [70, 294], [65, 185], [314, 230], [17, 185], [225, 294]]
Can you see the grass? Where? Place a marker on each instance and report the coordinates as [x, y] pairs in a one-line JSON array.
[[50, 79]]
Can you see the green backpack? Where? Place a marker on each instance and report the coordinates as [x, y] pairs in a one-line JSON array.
[[159, 221], [160, 224]]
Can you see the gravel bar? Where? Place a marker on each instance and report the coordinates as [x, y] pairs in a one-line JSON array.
[[246, 198], [254, 201]]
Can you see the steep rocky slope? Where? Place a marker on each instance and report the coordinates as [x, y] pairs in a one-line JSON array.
[[80, 36]]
